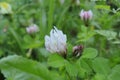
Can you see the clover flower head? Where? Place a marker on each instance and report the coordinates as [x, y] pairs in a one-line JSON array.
[[86, 15], [56, 42], [32, 29], [5, 8]]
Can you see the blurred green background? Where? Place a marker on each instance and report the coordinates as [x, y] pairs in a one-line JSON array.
[[103, 32]]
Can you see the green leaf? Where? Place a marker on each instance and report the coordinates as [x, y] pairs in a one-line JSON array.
[[115, 73], [71, 68], [1, 52], [56, 61], [101, 65], [85, 34], [106, 7], [108, 34], [30, 42], [16, 37], [81, 71], [89, 53], [99, 77], [50, 13], [19, 68], [83, 28], [34, 44], [44, 52], [84, 68], [116, 42]]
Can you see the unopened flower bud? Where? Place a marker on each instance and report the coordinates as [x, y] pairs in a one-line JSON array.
[[77, 50], [86, 15], [32, 29], [56, 42]]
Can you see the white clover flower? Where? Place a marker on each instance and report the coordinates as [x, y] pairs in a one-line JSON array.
[[56, 42], [32, 29], [86, 15], [5, 8], [61, 1], [78, 2]]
